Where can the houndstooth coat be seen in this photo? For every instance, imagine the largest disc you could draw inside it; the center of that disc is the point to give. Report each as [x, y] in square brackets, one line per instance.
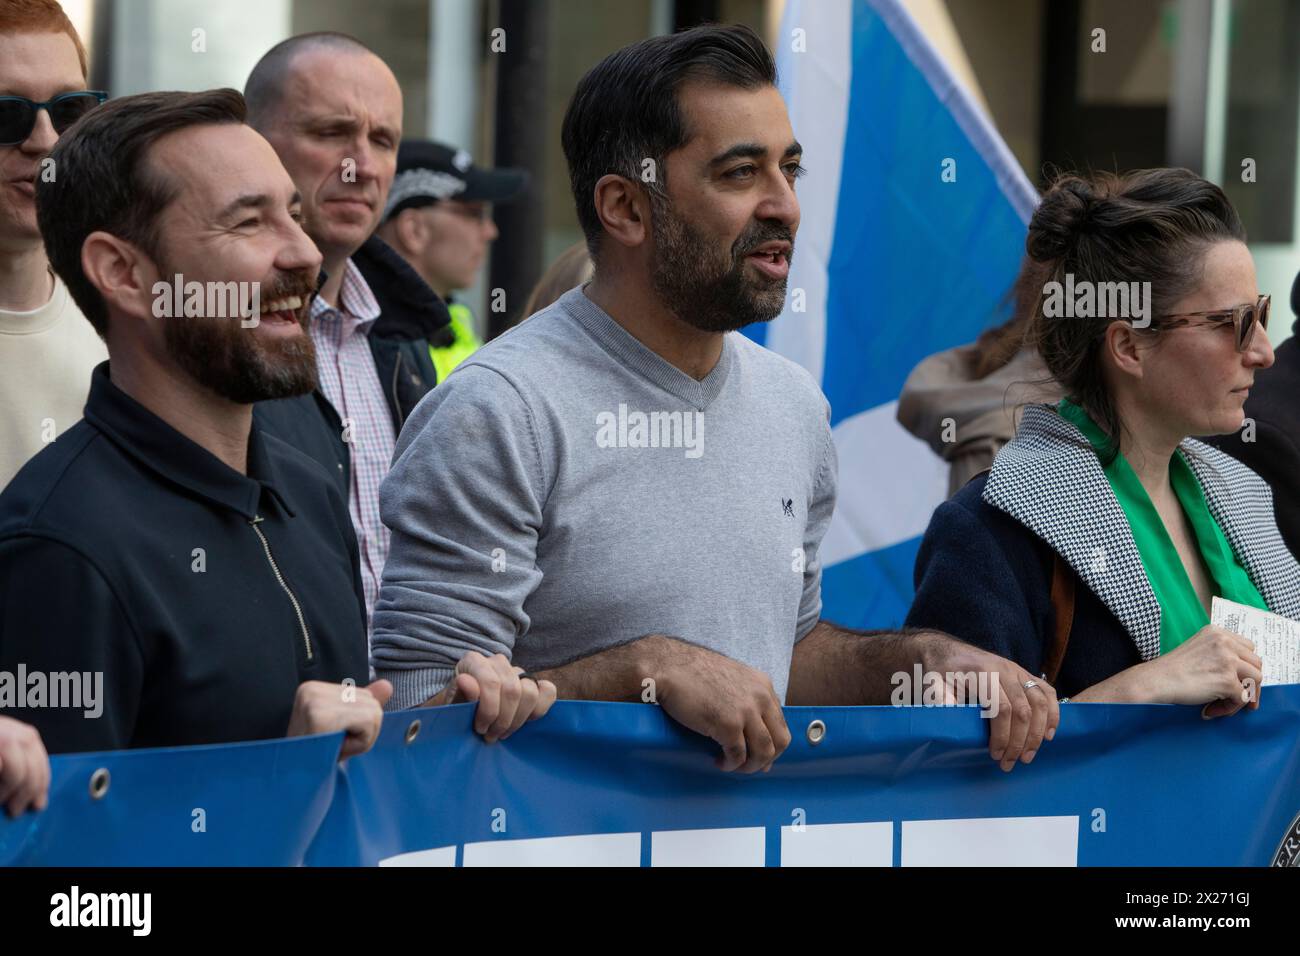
[984, 569]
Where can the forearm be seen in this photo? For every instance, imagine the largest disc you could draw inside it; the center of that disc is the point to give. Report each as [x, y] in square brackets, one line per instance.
[465, 519]
[625, 672]
[1129, 686]
[838, 666]
[622, 673]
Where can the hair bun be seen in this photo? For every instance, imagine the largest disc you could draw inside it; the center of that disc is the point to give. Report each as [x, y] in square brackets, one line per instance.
[1060, 217]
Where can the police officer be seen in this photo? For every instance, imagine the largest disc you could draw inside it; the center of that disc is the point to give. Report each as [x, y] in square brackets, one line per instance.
[439, 218]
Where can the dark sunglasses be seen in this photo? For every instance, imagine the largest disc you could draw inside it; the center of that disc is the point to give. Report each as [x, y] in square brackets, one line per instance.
[18, 114]
[1244, 318]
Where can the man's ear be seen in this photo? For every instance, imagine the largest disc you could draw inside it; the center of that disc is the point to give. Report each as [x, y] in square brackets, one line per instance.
[1125, 347]
[410, 229]
[623, 208]
[122, 274]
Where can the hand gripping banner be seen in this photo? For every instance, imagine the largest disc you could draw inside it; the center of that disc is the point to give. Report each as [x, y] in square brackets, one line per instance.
[621, 784]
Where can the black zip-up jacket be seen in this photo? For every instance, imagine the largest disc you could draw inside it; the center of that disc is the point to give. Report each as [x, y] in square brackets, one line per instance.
[204, 597]
[411, 316]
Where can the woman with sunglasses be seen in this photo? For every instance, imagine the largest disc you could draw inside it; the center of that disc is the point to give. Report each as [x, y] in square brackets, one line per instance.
[1092, 550]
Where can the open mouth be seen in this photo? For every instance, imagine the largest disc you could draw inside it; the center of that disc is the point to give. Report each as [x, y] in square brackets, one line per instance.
[288, 309]
[773, 263]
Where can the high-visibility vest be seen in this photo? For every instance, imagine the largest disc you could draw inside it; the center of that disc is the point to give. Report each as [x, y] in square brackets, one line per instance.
[464, 342]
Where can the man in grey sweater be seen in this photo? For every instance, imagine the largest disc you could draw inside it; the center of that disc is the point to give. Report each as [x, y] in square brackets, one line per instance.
[622, 494]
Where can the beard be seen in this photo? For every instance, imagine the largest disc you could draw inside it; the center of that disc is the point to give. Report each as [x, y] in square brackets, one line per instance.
[707, 290]
[231, 361]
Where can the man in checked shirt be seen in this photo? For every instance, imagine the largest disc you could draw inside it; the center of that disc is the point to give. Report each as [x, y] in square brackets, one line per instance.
[332, 110]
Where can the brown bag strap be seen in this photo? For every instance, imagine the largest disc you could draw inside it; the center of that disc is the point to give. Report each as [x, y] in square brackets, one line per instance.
[1063, 608]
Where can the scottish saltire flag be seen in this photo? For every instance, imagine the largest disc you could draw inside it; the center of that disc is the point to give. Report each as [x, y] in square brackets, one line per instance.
[892, 263]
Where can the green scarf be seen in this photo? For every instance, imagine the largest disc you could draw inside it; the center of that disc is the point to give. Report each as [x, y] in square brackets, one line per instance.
[1181, 611]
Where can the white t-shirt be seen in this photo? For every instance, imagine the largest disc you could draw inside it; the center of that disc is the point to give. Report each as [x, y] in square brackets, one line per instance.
[46, 356]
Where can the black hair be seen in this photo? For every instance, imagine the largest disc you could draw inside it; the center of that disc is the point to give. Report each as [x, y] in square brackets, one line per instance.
[625, 108]
[1151, 225]
[106, 183]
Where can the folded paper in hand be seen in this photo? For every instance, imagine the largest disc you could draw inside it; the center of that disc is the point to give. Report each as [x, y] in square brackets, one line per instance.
[1276, 638]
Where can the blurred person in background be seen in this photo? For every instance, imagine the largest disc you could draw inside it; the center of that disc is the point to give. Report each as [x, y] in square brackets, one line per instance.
[47, 348]
[965, 403]
[439, 218]
[571, 268]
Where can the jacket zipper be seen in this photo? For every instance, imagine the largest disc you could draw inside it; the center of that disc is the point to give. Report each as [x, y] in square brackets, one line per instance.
[397, 405]
[266, 546]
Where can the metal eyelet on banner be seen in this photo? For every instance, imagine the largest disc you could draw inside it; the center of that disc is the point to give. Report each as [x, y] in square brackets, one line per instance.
[412, 731]
[816, 731]
[99, 781]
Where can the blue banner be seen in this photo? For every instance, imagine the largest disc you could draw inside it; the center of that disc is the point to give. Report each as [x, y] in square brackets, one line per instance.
[621, 784]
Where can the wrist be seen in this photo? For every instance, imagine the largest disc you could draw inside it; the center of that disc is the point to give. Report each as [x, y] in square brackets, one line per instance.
[1138, 684]
[932, 647]
[1143, 683]
[653, 661]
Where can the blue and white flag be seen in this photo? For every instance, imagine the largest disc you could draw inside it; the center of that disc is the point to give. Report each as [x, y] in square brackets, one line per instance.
[893, 261]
